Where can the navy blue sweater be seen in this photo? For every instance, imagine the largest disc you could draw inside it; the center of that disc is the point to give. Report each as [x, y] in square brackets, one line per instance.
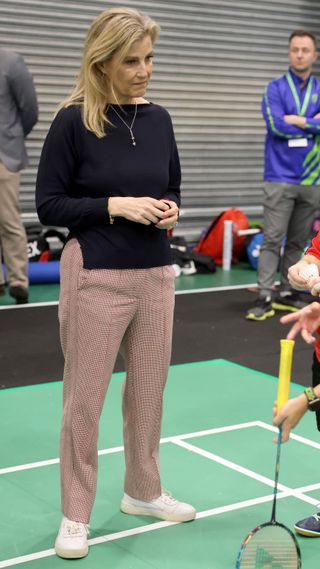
[78, 172]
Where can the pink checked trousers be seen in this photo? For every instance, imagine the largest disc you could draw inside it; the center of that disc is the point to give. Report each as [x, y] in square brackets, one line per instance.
[101, 311]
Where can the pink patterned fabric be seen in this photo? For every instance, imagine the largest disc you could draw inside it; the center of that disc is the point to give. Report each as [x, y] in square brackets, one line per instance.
[102, 311]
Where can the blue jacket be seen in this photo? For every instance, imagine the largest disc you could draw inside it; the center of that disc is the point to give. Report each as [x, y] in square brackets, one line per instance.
[284, 163]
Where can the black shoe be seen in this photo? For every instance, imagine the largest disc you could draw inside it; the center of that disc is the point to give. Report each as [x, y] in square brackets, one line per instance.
[309, 527]
[20, 294]
[261, 310]
[2, 289]
[289, 301]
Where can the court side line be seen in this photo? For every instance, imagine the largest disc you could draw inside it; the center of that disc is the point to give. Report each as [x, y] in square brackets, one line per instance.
[216, 288]
[29, 305]
[50, 462]
[214, 431]
[246, 471]
[172, 439]
[143, 529]
[189, 291]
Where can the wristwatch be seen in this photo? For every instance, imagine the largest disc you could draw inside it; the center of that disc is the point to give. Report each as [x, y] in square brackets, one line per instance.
[313, 400]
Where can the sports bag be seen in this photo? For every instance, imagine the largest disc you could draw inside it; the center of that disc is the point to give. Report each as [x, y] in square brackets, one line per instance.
[212, 241]
[185, 258]
[38, 245]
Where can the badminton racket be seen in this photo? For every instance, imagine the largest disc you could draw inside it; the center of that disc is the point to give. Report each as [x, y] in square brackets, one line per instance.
[272, 545]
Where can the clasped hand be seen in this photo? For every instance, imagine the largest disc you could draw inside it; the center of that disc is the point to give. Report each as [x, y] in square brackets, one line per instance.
[145, 210]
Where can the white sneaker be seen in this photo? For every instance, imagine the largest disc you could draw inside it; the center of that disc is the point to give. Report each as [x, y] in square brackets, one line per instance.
[72, 542]
[165, 507]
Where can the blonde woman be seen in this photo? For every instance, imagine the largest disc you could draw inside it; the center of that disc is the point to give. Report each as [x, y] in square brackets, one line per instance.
[109, 171]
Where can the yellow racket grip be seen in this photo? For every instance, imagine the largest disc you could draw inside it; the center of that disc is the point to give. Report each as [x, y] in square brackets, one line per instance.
[286, 353]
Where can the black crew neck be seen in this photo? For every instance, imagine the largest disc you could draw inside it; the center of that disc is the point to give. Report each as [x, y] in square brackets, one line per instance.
[129, 105]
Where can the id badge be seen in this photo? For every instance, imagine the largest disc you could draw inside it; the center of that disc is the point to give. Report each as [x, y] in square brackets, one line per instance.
[297, 142]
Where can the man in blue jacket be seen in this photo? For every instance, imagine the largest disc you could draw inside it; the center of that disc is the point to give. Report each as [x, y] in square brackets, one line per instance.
[291, 109]
[18, 115]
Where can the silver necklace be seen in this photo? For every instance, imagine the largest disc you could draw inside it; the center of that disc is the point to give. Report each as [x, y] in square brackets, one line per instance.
[133, 140]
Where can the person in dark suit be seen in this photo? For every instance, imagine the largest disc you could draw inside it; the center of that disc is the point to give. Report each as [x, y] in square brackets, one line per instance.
[18, 115]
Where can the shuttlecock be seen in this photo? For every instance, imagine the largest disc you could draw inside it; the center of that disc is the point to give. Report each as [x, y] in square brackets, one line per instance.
[309, 271]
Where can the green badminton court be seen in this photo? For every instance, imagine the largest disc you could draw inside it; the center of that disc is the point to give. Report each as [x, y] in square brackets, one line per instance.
[216, 452]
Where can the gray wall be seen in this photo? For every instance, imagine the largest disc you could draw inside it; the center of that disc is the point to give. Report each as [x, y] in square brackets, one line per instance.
[211, 63]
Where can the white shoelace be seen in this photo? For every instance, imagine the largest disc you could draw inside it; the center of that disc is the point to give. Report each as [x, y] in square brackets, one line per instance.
[168, 498]
[75, 529]
[316, 517]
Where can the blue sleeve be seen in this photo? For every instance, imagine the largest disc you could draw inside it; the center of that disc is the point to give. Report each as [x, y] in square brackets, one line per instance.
[56, 174]
[273, 113]
[312, 126]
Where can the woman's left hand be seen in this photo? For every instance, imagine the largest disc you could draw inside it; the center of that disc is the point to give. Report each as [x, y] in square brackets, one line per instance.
[170, 218]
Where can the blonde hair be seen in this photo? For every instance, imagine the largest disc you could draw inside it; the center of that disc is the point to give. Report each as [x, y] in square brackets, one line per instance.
[113, 31]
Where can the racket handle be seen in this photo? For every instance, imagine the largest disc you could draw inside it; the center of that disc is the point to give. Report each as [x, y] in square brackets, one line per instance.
[286, 353]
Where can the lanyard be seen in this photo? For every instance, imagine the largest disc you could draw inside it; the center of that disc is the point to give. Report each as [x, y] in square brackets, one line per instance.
[301, 109]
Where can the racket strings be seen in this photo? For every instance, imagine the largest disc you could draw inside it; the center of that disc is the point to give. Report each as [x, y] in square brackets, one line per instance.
[270, 547]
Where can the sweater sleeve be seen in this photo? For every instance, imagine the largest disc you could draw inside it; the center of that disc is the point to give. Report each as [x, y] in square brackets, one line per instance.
[273, 114]
[56, 174]
[173, 190]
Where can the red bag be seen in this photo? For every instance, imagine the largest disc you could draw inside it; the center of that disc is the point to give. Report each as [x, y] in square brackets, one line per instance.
[212, 242]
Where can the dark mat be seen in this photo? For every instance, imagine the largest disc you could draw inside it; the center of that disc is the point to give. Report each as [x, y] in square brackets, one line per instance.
[207, 326]
[213, 325]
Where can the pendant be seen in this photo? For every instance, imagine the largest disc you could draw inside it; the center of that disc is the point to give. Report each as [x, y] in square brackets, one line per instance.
[133, 140]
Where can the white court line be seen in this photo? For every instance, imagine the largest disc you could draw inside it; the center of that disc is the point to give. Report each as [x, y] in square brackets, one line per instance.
[172, 439]
[50, 462]
[216, 289]
[144, 529]
[177, 292]
[215, 430]
[29, 305]
[284, 491]
[242, 470]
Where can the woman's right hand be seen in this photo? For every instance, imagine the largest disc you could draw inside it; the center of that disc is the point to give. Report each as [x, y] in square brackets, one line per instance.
[144, 210]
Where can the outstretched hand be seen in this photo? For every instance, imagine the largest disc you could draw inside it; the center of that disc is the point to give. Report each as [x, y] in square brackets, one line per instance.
[306, 321]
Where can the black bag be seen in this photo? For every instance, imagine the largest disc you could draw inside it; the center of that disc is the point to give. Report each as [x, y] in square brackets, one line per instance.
[183, 256]
[38, 245]
[204, 263]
